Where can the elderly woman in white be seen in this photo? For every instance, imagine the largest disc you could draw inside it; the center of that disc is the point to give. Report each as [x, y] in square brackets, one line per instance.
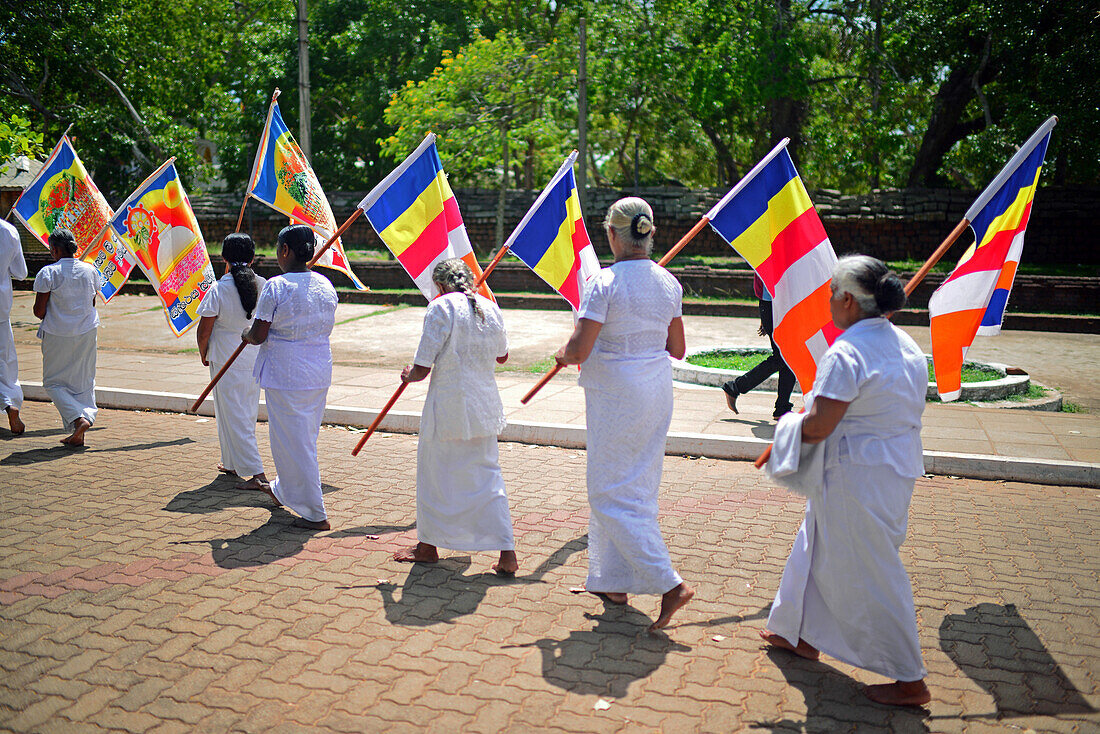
[856, 453]
[460, 499]
[628, 325]
[12, 265]
[294, 318]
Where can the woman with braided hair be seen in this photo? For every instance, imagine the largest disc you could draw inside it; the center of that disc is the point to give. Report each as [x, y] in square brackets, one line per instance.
[294, 318]
[461, 503]
[628, 325]
[225, 312]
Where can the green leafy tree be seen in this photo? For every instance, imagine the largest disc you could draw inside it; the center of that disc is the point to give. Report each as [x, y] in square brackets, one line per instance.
[18, 139]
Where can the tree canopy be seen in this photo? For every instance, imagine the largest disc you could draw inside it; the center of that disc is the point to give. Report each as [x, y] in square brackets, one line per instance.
[871, 93]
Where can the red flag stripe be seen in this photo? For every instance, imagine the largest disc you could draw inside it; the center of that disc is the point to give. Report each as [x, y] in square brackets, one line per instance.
[798, 238]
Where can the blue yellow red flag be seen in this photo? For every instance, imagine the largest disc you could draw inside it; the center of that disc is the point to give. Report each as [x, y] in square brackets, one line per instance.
[416, 215]
[158, 225]
[283, 179]
[769, 219]
[64, 196]
[551, 238]
[972, 299]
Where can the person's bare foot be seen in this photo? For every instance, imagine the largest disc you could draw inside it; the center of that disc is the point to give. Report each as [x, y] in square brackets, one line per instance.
[223, 470]
[672, 600]
[255, 483]
[900, 693]
[76, 440]
[803, 649]
[301, 522]
[419, 553]
[615, 597]
[14, 422]
[507, 565]
[266, 489]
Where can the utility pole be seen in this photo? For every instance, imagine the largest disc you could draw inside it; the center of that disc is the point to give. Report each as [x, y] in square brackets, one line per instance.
[305, 132]
[582, 114]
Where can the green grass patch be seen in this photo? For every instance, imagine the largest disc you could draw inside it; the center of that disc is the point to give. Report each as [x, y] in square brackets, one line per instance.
[970, 373]
[379, 312]
[723, 360]
[1068, 407]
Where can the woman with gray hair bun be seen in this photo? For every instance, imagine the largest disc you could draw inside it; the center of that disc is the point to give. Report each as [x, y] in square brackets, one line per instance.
[628, 325]
[844, 590]
[461, 502]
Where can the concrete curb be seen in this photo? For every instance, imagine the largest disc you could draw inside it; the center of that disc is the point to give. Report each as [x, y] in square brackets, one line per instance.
[974, 466]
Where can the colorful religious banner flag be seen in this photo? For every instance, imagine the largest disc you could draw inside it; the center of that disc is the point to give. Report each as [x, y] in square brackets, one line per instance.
[64, 196]
[283, 179]
[551, 238]
[157, 224]
[769, 219]
[972, 299]
[416, 215]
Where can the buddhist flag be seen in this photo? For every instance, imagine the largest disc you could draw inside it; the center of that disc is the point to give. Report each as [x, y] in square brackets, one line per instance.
[283, 179]
[973, 298]
[64, 196]
[551, 238]
[769, 219]
[416, 215]
[159, 227]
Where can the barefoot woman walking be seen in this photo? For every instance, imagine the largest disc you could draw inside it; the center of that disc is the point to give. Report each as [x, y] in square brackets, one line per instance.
[629, 324]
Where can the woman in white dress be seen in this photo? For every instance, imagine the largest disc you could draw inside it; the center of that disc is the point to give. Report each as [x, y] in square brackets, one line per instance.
[844, 590]
[628, 325]
[64, 299]
[294, 318]
[225, 312]
[12, 265]
[460, 499]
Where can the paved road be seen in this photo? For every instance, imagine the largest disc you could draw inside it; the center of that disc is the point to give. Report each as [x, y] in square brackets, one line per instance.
[140, 593]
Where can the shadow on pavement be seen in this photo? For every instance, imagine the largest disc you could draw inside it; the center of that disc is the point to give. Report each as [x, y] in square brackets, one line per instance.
[997, 648]
[269, 542]
[834, 702]
[606, 659]
[761, 613]
[37, 456]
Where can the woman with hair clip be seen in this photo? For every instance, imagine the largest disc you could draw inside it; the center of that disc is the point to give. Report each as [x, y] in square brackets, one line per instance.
[844, 590]
[64, 299]
[628, 325]
[225, 312]
[294, 318]
[461, 503]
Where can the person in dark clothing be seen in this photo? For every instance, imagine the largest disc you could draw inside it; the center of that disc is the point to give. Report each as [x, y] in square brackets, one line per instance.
[771, 365]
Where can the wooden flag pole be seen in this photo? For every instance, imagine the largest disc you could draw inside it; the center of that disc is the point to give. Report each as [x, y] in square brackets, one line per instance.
[335, 236]
[240, 217]
[381, 414]
[228, 362]
[683, 241]
[663, 261]
[909, 288]
[539, 385]
[489, 268]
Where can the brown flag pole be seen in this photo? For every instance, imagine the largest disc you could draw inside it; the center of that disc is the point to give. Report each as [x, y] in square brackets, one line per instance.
[662, 262]
[909, 288]
[489, 268]
[221, 372]
[335, 236]
[381, 414]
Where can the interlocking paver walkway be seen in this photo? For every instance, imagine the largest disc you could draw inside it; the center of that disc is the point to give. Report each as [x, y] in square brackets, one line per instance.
[139, 592]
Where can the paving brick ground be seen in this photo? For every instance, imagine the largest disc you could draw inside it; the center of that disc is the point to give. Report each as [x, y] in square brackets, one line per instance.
[140, 593]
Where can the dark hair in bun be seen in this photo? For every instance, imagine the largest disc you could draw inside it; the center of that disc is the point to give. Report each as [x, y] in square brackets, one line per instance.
[300, 239]
[239, 251]
[63, 240]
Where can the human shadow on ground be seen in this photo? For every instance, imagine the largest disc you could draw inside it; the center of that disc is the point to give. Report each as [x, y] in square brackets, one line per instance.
[7, 435]
[439, 593]
[997, 648]
[761, 613]
[835, 702]
[38, 456]
[606, 659]
[275, 539]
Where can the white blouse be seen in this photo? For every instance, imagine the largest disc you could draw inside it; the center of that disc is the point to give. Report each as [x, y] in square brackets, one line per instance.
[462, 401]
[301, 308]
[635, 300]
[72, 286]
[883, 375]
[223, 302]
